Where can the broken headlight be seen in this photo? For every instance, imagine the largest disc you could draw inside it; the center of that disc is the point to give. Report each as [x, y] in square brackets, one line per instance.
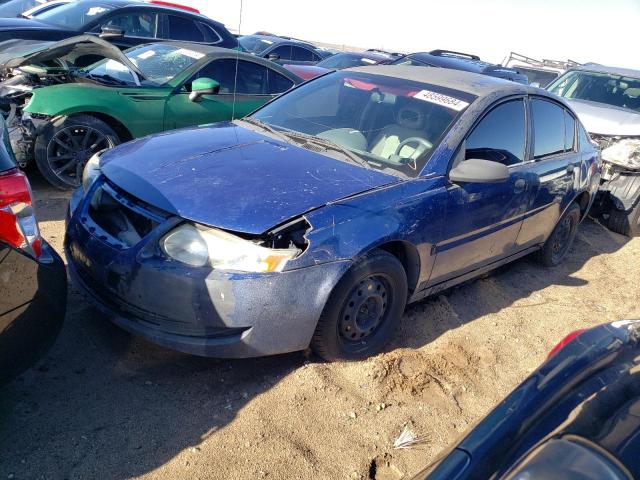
[199, 246]
[624, 153]
[91, 172]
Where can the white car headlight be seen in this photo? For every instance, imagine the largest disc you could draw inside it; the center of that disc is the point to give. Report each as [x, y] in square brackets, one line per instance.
[625, 153]
[200, 246]
[91, 171]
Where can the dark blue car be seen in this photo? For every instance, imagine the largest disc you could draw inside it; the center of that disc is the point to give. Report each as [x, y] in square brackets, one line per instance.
[577, 417]
[316, 219]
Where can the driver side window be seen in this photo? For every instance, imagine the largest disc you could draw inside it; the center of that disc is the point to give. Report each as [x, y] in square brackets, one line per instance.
[252, 78]
[140, 24]
[500, 136]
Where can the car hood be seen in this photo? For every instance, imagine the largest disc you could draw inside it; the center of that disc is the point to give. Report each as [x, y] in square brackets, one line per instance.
[233, 178]
[605, 119]
[26, 24]
[18, 53]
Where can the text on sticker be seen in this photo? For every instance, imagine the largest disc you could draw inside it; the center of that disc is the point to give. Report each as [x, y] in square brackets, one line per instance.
[443, 100]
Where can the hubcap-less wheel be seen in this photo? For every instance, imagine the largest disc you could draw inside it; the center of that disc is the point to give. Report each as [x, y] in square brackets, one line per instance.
[560, 241]
[365, 309]
[71, 148]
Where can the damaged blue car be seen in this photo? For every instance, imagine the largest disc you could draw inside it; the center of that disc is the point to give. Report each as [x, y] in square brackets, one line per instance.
[315, 220]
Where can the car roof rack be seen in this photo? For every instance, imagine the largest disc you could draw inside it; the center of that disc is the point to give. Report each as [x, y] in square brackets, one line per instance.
[544, 63]
[451, 53]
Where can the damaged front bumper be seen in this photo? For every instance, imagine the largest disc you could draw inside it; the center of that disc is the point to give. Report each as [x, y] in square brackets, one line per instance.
[23, 130]
[619, 187]
[196, 310]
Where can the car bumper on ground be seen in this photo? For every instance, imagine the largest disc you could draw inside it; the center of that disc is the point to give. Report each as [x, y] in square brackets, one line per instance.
[200, 311]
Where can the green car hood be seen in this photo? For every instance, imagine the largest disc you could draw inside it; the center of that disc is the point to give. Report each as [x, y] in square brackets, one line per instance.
[19, 53]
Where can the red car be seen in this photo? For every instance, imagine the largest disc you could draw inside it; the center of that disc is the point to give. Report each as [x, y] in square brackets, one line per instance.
[338, 62]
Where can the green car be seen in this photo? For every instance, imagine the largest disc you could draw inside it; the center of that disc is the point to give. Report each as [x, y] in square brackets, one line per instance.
[64, 113]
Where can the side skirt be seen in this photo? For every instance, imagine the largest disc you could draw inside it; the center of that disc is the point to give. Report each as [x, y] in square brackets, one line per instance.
[433, 289]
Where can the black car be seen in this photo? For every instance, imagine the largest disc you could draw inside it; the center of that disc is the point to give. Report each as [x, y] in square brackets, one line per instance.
[123, 22]
[577, 417]
[283, 50]
[33, 281]
[460, 61]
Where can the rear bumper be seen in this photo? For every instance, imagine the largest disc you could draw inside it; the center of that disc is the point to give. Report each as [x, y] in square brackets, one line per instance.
[199, 311]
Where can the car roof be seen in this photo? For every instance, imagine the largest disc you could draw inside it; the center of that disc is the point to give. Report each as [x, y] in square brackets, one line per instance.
[366, 54]
[469, 82]
[279, 40]
[142, 4]
[596, 67]
[471, 64]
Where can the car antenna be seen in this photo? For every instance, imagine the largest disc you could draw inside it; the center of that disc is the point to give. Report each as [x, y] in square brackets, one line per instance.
[235, 78]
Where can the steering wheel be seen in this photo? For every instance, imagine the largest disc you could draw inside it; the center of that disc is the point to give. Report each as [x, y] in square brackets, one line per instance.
[422, 146]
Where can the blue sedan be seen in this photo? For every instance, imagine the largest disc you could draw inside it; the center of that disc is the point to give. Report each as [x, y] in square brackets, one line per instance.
[318, 218]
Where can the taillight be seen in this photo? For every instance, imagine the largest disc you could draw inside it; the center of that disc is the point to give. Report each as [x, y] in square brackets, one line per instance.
[563, 343]
[174, 5]
[18, 225]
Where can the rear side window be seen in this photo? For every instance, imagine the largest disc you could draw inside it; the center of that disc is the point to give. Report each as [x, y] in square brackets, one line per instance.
[181, 28]
[549, 127]
[278, 83]
[211, 36]
[500, 136]
[301, 54]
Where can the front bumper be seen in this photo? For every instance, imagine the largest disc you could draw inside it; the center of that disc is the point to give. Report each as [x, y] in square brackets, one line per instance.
[622, 188]
[200, 311]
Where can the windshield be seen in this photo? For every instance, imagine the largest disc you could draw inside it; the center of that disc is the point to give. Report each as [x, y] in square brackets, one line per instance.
[13, 8]
[254, 43]
[158, 62]
[387, 123]
[614, 90]
[345, 60]
[75, 15]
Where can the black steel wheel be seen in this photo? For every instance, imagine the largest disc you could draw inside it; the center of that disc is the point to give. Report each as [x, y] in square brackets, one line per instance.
[64, 148]
[559, 242]
[363, 310]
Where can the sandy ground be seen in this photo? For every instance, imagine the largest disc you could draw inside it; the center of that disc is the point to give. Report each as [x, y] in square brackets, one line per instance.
[104, 404]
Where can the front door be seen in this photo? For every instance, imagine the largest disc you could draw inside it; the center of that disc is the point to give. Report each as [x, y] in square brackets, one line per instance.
[250, 81]
[483, 219]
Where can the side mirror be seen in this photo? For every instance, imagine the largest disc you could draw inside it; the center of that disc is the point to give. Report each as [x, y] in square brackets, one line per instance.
[274, 57]
[111, 32]
[479, 171]
[203, 86]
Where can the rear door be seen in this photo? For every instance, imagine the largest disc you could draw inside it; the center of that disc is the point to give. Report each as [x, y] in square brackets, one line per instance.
[553, 169]
[483, 219]
[254, 85]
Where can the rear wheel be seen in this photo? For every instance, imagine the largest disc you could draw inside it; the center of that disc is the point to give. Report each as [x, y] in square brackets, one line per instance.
[557, 245]
[65, 146]
[625, 223]
[363, 310]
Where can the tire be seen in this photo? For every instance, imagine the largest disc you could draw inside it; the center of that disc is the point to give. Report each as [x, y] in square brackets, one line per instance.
[65, 146]
[625, 223]
[557, 245]
[354, 326]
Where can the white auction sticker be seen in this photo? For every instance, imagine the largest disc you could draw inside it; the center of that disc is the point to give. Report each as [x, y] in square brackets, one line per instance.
[190, 53]
[443, 100]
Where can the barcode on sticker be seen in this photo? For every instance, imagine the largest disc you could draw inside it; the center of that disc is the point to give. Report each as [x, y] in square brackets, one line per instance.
[443, 100]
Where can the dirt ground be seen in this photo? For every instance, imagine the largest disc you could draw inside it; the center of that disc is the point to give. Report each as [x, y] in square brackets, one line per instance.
[104, 404]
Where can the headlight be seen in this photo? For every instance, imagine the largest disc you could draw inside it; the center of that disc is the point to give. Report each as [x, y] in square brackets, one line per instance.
[200, 246]
[91, 171]
[625, 153]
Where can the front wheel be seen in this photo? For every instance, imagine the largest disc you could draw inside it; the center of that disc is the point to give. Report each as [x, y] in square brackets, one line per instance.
[65, 146]
[363, 310]
[557, 245]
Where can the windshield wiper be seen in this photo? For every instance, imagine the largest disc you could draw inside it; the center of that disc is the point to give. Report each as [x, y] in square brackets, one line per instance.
[329, 145]
[106, 77]
[265, 126]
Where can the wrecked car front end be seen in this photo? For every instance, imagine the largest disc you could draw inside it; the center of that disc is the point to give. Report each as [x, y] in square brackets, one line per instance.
[618, 199]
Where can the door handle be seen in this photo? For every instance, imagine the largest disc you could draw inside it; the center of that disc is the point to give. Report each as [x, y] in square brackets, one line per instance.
[520, 185]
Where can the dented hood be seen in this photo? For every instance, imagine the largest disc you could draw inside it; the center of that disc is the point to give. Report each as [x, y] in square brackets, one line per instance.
[606, 119]
[18, 53]
[233, 178]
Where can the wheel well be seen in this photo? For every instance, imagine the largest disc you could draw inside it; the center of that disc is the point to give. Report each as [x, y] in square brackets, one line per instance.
[409, 257]
[123, 133]
[583, 202]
